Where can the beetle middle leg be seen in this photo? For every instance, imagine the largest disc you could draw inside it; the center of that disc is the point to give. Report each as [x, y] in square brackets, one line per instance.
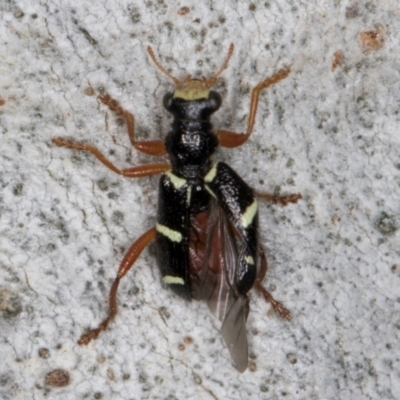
[276, 305]
[232, 139]
[152, 147]
[134, 172]
[126, 264]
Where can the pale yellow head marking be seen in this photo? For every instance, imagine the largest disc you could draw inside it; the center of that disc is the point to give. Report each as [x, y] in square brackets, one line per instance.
[192, 89]
[248, 215]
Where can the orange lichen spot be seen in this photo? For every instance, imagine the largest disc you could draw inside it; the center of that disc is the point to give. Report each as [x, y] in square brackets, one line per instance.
[184, 11]
[181, 347]
[44, 352]
[371, 40]
[89, 91]
[337, 59]
[188, 340]
[2, 102]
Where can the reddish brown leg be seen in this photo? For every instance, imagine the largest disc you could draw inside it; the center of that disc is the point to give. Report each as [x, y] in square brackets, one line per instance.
[232, 139]
[153, 147]
[129, 259]
[282, 200]
[134, 172]
[276, 305]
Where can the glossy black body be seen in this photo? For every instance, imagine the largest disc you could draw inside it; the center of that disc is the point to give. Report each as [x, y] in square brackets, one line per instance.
[191, 142]
[187, 191]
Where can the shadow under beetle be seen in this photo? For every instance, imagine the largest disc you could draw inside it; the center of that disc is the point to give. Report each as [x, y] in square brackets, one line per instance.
[207, 222]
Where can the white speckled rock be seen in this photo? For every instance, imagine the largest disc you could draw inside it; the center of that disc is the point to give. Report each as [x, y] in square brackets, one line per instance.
[66, 221]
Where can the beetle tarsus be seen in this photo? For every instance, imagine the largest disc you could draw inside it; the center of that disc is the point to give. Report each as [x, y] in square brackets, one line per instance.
[277, 306]
[93, 333]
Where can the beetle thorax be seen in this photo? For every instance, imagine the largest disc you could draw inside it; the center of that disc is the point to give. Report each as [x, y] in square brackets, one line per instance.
[192, 141]
[190, 145]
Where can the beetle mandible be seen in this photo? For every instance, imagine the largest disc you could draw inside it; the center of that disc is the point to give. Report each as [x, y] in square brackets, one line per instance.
[207, 222]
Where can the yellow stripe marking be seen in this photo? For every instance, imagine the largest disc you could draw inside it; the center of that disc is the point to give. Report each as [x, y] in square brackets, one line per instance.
[173, 280]
[175, 236]
[189, 195]
[248, 215]
[249, 260]
[210, 191]
[175, 180]
[211, 174]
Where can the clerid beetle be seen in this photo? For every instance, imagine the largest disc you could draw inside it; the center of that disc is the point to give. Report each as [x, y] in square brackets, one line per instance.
[207, 223]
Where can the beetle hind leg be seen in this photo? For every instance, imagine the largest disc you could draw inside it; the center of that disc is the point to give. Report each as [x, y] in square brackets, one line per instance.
[126, 264]
[276, 305]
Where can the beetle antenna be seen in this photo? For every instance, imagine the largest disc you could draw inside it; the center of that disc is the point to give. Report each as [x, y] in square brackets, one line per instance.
[161, 68]
[213, 79]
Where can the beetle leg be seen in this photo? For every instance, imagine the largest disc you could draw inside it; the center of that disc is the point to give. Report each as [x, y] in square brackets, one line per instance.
[126, 264]
[134, 172]
[152, 147]
[282, 200]
[232, 139]
[276, 305]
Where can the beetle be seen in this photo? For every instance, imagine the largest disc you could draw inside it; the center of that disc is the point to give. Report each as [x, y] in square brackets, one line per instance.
[207, 223]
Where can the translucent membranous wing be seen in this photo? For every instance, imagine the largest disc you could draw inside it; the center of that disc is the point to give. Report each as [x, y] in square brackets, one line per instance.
[214, 259]
[234, 332]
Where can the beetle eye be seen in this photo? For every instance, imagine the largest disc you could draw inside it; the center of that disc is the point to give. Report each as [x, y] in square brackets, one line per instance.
[167, 101]
[215, 100]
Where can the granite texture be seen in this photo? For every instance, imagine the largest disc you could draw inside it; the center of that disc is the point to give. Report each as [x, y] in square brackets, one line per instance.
[329, 131]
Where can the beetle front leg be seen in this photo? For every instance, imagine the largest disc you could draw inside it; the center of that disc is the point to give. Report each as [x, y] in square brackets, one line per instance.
[126, 264]
[152, 147]
[134, 172]
[232, 139]
[276, 305]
